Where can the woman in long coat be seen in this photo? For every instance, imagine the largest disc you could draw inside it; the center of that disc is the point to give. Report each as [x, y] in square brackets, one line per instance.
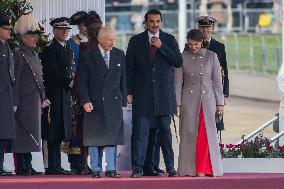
[199, 96]
[28, 95]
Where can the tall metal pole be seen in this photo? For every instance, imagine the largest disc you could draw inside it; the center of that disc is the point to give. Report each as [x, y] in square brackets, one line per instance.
[181, 23]
[192, 14]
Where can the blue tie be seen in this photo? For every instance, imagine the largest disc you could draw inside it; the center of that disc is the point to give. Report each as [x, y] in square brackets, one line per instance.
[106, 58]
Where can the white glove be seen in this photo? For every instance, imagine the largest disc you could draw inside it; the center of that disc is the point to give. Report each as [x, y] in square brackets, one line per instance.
[45, 103]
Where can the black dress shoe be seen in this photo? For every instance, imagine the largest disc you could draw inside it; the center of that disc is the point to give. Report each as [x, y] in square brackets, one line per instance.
[34, 172]
[137, 173]
[150, 172]
[90, 171]
[112, 174]
[96, 174]
[24, 172]
[172, 172]
[50, 171]
[61, 171]
[158, 170]
[5, 173]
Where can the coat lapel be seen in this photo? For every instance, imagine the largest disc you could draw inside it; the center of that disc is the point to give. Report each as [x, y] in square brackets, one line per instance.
[98, 59]
[11, 64]
[112, 62]
[146, 46]
[211, 44]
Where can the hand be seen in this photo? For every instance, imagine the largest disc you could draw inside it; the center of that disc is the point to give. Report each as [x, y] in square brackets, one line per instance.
[88, 107]
[220, 110]
[45, 103]
[156, 42]
[15, 108]
[178, 111]
[129, 99]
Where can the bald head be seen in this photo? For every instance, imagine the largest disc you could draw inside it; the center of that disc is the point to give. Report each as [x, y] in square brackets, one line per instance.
[106, 38]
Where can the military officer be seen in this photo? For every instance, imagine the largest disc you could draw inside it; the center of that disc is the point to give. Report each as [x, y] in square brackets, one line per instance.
[206, 26]
[58, 72]
[73, 150]
[7, 124]
[28, 94]
[78, 19]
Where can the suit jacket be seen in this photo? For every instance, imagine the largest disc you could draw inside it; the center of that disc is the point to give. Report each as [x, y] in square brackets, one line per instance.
[58, 73]
[219, 49]
[105, 88]
[7, 123]
[150, 79]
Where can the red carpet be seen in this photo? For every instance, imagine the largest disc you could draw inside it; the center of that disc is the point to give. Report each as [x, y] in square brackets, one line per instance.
[228, 181]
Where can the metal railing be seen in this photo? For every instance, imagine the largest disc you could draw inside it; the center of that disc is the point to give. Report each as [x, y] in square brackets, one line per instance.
[261, 129]
[244, 19]
[252, 53]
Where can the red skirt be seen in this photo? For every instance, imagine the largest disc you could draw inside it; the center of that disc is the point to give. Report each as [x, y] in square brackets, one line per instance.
[203, 161]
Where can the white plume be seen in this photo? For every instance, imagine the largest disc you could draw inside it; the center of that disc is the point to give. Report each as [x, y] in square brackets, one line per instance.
[25, 24]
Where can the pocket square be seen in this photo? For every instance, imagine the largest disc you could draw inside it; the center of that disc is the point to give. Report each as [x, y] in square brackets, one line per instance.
[118, 64]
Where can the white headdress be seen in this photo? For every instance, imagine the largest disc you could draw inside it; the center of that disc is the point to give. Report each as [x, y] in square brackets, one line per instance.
[26, 24]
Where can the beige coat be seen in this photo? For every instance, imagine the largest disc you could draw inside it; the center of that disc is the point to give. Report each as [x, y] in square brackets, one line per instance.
[198, 81]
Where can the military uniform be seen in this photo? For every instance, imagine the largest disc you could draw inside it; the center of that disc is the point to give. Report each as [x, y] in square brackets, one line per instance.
[218, 48]
[7, 124]
[73, 149]
[58, 72]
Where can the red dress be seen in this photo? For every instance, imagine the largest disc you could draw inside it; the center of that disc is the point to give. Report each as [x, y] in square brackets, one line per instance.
[203, 161]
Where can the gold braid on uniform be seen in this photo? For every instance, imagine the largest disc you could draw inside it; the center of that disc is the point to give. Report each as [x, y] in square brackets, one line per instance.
[67, 150]
[76, 39]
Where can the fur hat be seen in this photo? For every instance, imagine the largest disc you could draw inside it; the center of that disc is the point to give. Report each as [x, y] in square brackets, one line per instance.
[27, 24]
[78, 18]
[92, 18]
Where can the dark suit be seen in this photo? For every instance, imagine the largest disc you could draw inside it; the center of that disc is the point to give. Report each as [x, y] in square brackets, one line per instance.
[150, 82]
[219, 49]
[58, 72]
[105, 88]
[7, 123]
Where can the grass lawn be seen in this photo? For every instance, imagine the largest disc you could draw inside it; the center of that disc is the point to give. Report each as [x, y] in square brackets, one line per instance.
[255, 52]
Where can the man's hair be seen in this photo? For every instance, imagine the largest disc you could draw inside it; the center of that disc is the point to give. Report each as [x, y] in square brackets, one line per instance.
[104, 31]
[154, 12]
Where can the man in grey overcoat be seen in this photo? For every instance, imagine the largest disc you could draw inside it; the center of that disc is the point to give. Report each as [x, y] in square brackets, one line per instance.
[7, 123]
[102, 89]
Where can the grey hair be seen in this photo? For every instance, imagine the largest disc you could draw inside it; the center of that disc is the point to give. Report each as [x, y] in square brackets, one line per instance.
[105, 31]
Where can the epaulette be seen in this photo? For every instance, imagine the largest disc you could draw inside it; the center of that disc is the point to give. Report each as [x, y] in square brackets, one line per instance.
[76, 39]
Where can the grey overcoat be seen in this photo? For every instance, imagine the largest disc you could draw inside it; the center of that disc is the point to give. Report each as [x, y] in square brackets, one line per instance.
[28, 93]
[198, 82]
[7, 122]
